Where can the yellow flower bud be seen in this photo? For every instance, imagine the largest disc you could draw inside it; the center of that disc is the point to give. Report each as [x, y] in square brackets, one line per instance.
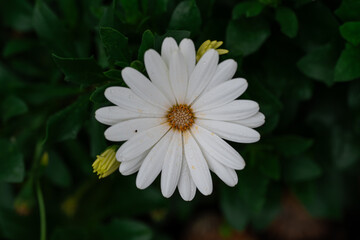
[207, 45]
[105, 163]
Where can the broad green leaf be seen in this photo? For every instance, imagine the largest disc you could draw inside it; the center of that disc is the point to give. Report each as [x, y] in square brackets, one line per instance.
[351, 32]
[269, 165]
[96, 132]
[348, 66]
[12, 168]
[131, 11]
[353, 95]
[252, 187]
[57, 172]
[8, 81]
[246, 36]
[116, 45]
[51, 30]
[98, 97]
[318, 30]
[247, 8]
[126, 229]
[233, 208]
[70, 233]
[16, 14]
[319, 64]
[344, 148]
[70, 12]
[17, 46]
[186, 16]
[12, 106]
[40, 93]
[287, 20]
[66, 123]
[115, 75]
[349, 10]
[147, 42]
[301, 168]
[84, 71]
[291, 145]
[138, 65]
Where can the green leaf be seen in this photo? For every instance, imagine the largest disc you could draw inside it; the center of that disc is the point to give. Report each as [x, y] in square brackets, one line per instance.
[348, 66]
[344, 148]
[269, 165]
[186, 16]
[252, 187]
[67, 123]
[97, 141]
[349, 10]
[126, 229]
[84, 71]
[11, 107]
[353, 95]
[17, 46]
[138, 65]
[301, 168]
[291, 145]
[115, 75]
[287, 20]
[16, 14]
[319, 64]
[351, 32]
[57, 172]
[12, 168]
[51, 30]
[233, 208]
[246, 36]
[116, 45]
[148, 41]
[247, 8]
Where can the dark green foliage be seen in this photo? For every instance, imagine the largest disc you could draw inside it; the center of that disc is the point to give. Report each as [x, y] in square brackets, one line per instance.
[302, 63]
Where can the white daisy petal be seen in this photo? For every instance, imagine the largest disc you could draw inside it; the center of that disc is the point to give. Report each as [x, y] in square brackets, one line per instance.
[202, 74]
[253, 122]
[224, 71]
[226, 174]
[187, 49]
[132, 166]
[187, 187]
[158, 73]
[178, 76]
[124, 130]
[168, 47]
[127, 99]
[230, 131]
[220, 150]
[142, 87]
[172, 165]
[198, 167]
[235, 110]
[153, 162]
[220, 95]
[112, 115]
[141, 142]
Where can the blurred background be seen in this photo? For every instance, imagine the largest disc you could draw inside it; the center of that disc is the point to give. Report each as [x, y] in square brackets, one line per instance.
[302, 62]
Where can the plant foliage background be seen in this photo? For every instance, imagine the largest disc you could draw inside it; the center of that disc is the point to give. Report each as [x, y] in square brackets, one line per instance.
[301, 59]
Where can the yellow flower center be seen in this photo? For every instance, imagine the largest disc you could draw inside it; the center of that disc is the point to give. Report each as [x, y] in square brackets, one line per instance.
[105, 163]
[180, 117]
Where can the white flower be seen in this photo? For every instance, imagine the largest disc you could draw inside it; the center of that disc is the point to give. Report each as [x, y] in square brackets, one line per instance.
[174, 124]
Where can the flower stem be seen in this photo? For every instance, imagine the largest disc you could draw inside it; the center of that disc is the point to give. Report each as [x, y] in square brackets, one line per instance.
[41, 212]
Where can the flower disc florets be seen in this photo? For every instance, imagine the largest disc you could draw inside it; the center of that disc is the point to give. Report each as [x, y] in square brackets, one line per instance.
[180, 117]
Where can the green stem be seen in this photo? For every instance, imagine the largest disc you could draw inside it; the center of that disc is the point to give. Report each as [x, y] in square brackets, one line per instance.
[41, 211]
